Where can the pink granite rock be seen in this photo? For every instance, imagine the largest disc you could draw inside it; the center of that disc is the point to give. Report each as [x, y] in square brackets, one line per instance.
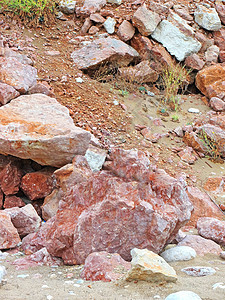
[10, 178]
[220, 8]
[187, 155]
[25, 219]
[13, 201]
[37, 127]
[104, 266]
[41, 88]
[7, 93]
[217, 104]
[9, 236]
[213, 229]
[37, 185]
[90, 7]
[126, 31]
[194, 61]
[16, 74]
[202, 246]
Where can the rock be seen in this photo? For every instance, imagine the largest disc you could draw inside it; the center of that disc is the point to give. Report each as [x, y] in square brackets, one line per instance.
[176, 41]
[67, 6]
[217, 104]
[183, 295]
[25, 219]
[207, 18]
[2, 273]
[148, 266]
[222, 254]
[219, 37]
[23, 59]
[1, 198]
[51, 204]
[202, 246]
[183, 12]
[117, 2]
[97, 18]
[145, 20]
[194, 62]
[222, 56]
[9, 237]
[150, 136]
[104, 266]
[104, 50]
[141, 73]
[198, 271]
[109, 25]
[161, 57]
[203, 206]
[212, 54]
[90, 7]
[86, 26]
[213, 229]
[7, 93]
[37, 127]
[95, 158]
[93, 30]
[192, 140]
[37, 185]
[221, 11]
[41, 88]
[10, 177]
[142, 45]
[178, 253]
[187, 155]
[13, 201]
[194, 110]
[214, 184]
[126, 31]
[208, 77]
[21, 77]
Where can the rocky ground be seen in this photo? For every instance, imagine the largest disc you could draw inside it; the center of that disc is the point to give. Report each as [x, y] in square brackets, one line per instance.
[188, 143]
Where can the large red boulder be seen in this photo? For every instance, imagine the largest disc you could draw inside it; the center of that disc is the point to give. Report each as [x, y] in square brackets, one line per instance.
[213, 229]
[9, 237]
[104, 266]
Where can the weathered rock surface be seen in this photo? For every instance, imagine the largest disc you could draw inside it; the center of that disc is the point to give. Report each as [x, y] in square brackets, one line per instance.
[10, 177]
[104, 50]
[213, 229]
[148, 266]
[104, 266]
[95, 158]
[9, 236]
[13, 201]
[194, 61]
[38, 127]
[178, 253]
[20, 76]
[7, 93]
[25, 219]
[202, 246]
[207, 18]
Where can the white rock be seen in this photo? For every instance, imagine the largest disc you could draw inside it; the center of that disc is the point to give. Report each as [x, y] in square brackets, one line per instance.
[2, 273]
[109, 25]
[183, 295]
[118, 2]
[67, 6]
[178, 253]
[197, 271]
[207, 18]
[220, 285]
[194, 110]
[95, 158]
[175, 41]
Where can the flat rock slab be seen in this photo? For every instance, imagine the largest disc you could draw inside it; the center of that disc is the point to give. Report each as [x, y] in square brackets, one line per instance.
[37, 127]
[104, 50]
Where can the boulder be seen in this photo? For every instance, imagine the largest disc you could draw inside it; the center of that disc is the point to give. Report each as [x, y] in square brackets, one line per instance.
[20, 76]
[9, 237]
[145, 20]
[183, 12]
[187, 155]
[104, 50]
[126, 31]
[213, 229]
[22, 58]
[97, 18]
[7, 93]
[148, 266]
[25, 219]
[41, 88]
[207, 18]
[37, 127]
[178, 43]
[178, 253]
[104, 266]
[37, 185]
[219, 38]
[202, 246]
[197, 271]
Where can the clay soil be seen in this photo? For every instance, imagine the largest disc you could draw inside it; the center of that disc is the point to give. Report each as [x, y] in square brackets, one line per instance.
[114, 119]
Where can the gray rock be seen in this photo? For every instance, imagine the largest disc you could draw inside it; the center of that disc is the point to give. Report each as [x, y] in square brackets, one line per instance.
[95, 158]
[178, 253]
[67, 6]
[175, 41]
[212, 53]
[183, 295]
[109, 25]
[207, 18]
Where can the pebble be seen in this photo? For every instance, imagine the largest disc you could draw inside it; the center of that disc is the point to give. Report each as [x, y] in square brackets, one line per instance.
[183, 295]
[151, 94]
[199, 271]
[109, 25]
[194, 110]
[178, 253]
[79, 80]
[220, 285]
[2, 273]
[23, 276]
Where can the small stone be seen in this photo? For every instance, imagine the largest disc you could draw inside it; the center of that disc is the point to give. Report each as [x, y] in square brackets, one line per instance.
[178, 253]
[198, 271]
[79, 80]
[126, 31]
[95, 158]
[67, 6]
[183, 295]
[117, 2]
[194, 110]
[109, 25]
[217, 104]
[207, 18]
[2, 273]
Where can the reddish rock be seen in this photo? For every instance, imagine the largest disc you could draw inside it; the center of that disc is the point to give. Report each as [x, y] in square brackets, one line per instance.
[86, 26]
[90, 7]
[142, 45]
[213, 229]
[192, 140]
[213, 184]
[217, 104]
[51, 204]
[24, 219]
[202, 246]
[16, 74]
[203, 206]
[9, 237]
[220, 8]
[104, 266]
[37, 185]
[149, 135]
[161, 57]
[217, 135]
[7, 93]
[222, 56]
[93, 30]
[97, 18]
[219, 38]
[194, 62]
[10, 178]
[13, 201]
[212, 54]
[216, 89]
[126, 31]
[209, 76]
[204, 40]
[41, 88]
[183, 12]
[141, 73]
[187, 155]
